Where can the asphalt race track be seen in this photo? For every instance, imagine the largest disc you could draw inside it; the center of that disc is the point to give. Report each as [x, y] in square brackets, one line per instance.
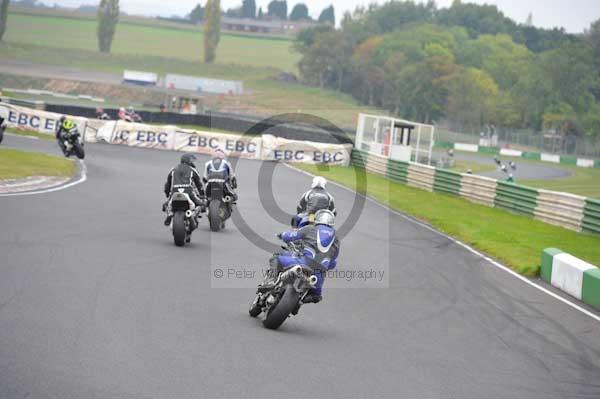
[97, 302]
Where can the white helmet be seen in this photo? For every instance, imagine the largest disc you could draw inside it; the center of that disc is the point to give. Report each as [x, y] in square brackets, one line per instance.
[319, 181]
[325, 216]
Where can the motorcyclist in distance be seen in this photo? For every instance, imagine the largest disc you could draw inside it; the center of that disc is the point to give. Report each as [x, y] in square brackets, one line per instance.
[185, 176]
[63, 126]
[314, 200]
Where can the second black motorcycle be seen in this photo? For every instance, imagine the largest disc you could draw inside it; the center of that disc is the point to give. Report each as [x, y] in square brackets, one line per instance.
[220, 204]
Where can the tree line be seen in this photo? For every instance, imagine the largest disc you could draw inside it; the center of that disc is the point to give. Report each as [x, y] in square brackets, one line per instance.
[275, 9]
[468, 65]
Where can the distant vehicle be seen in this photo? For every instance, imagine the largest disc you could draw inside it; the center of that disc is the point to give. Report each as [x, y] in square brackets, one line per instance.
[100, 114]
[512, 165]
[129, 115]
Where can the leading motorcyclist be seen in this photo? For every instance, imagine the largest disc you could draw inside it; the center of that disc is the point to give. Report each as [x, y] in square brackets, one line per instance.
[63, 127]
[219, 168]
[320, 249]
[312, 201]
[185, 176]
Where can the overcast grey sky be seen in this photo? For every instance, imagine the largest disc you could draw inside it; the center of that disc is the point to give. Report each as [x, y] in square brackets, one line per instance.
[573, 15]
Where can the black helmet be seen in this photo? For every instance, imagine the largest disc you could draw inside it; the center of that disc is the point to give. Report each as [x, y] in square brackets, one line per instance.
[188, 159]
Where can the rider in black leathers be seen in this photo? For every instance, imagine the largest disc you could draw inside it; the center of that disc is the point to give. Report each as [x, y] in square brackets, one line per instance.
[185, 176]
[316, 198]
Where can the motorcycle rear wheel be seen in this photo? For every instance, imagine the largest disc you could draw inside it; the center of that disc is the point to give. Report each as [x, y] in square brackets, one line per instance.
[179, 228]
[282, 309]
[214, 216]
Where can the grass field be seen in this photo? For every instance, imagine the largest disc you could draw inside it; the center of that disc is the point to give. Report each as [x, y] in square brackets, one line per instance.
[465, 166]
[16, 164]
[132, 39]
[583, 181]
[516, 241]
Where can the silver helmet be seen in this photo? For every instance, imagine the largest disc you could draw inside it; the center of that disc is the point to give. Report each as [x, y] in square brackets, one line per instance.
[326, 217]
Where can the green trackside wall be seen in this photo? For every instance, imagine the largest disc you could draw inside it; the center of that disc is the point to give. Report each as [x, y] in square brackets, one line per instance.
[397, 171]
[591, 216]
[446, 181]
[359, 159]
[534, 156]
[488, 150]
[568, 160]
[546, 265]
[590, 290]
[519, 199]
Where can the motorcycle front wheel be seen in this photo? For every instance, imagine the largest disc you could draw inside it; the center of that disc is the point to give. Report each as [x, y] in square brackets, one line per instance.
[78, 150]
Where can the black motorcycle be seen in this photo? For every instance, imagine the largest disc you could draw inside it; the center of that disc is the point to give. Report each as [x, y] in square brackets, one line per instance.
[284, 297]
[184, 217]
[220, 204]
[72, 144]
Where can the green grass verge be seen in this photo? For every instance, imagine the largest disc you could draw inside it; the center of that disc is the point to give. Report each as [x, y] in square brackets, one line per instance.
[464, 166]
[583, 181]
[516, 241]
[15, 164]
[185, 44]
[31, 133]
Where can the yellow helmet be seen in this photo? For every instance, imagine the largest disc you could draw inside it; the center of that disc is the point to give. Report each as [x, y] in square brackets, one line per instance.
[68, 124]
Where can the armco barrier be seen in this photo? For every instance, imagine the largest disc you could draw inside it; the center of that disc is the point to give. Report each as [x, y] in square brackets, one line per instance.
[560, 209]
[591, 216]
[571, 275]
[421, 176]
[397, 171]
[376, 164]
[446, 181]
[515, 198]
[479, 189]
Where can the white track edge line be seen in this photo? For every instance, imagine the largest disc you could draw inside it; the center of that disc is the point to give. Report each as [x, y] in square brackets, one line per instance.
[465, 246]
[81, 179]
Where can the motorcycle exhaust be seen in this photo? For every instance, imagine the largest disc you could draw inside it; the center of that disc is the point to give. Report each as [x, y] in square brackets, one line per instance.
[227, 198]
[312, 280]
[291, 273]
[188, 213]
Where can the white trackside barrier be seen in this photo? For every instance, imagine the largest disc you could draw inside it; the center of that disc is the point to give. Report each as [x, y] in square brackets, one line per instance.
[560, 209]
[585, 163]
[567, 273]
[265, 147]
[34, 119]
[421, 176]
[550, 158]
[510, 153]
[466, 147]
[280, 149]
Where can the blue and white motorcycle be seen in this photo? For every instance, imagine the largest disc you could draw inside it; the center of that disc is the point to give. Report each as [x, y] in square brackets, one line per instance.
[284, 297]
